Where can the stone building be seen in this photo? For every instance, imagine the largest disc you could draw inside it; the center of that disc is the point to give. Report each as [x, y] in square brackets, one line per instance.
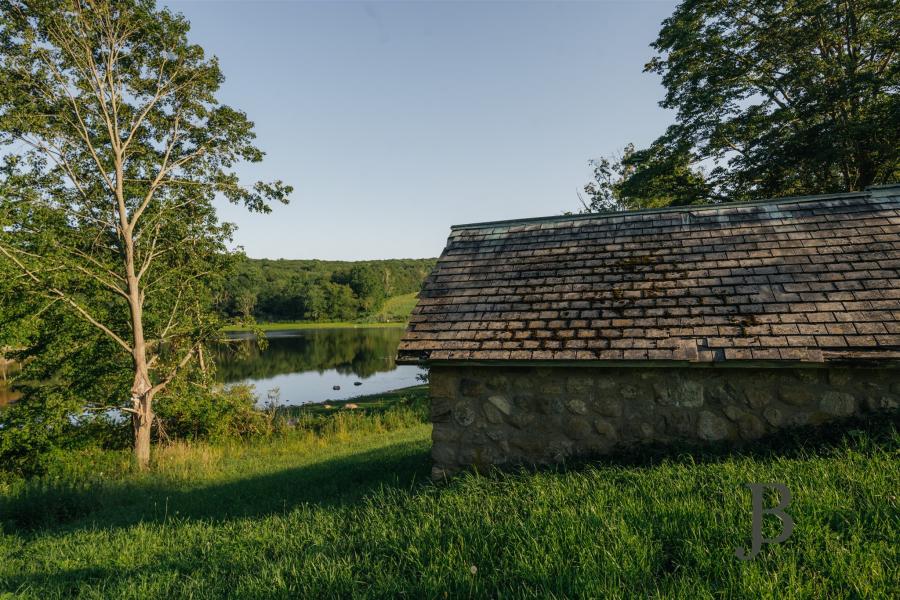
[575, 335]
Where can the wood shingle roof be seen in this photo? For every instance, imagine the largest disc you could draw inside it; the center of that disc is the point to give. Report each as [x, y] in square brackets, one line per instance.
[810, 279]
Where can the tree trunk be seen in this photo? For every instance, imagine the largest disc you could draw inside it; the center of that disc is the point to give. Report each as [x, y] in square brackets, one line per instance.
[142, 423]
[141, 389]
[141, 419]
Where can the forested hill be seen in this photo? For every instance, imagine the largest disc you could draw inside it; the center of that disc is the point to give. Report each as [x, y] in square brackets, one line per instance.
[320, 290]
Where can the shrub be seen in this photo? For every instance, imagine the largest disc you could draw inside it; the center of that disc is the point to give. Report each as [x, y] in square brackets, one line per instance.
[46, 425]
[31, 428]
[200, 413]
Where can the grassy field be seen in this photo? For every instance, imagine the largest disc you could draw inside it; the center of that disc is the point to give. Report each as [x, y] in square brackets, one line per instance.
[341, 506]
[397, 308]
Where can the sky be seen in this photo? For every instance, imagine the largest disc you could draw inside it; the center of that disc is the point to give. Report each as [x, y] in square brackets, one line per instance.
[395, 120]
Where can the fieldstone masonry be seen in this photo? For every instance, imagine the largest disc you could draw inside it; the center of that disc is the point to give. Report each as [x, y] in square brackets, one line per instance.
[486, 416]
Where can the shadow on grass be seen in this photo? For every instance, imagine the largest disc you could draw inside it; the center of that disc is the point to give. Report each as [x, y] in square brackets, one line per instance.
[862, 434]
[337, 481]
[348, 479]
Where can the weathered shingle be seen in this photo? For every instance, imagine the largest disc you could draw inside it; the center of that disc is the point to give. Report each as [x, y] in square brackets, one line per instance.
[799, 279]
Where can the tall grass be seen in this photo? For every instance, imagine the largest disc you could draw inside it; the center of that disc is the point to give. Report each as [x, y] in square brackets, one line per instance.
[342, 507]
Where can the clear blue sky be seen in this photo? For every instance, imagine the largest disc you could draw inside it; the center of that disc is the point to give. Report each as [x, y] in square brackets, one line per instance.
[395, 120]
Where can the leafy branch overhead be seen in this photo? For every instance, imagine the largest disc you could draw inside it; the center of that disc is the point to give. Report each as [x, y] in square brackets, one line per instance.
[772, 98]
[116, 149]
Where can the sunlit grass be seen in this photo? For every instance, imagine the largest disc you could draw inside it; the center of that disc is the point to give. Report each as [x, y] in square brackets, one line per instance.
[343, 507]
[397, 308]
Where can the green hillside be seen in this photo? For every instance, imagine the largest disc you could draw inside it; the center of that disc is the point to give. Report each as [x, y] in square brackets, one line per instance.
[396, 308]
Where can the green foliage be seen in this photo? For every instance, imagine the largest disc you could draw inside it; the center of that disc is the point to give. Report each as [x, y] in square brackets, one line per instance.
[69, 487]
[116, 147]
[31, 430]
[48, 422]
[69, 376]
[314, 290]
[640, 179]
[773, 98]
[368, 285]
[347, 511]
[190, 412]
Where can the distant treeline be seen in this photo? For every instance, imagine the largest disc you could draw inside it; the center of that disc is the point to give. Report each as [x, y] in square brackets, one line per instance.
[319, 290]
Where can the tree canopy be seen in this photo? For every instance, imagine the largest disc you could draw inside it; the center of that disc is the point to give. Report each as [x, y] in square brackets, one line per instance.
[116, 146]
[319, 290]
[772, 98]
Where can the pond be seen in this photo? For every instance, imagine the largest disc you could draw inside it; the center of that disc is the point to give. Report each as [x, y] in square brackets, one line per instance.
[7, 369]
[6, 394]
[306, 364]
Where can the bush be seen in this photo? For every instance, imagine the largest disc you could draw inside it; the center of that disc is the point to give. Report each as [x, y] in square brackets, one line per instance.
[198, 413]
[46, 424]
[31, 428]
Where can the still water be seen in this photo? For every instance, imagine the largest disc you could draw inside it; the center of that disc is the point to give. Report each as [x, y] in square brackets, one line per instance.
[306, 364]
[7, 370]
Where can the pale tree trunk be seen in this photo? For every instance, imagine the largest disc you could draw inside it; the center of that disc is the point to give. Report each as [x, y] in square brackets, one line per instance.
[142, 388]
[142, 423]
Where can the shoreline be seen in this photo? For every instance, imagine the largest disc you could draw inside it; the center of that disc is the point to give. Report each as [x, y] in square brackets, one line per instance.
[378, 400]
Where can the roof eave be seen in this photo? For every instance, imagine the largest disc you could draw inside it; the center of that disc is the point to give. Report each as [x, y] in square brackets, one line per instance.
[867, 363]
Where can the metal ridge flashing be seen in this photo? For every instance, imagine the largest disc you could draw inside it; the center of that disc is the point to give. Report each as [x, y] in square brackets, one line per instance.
[880, 192]
[891, 363]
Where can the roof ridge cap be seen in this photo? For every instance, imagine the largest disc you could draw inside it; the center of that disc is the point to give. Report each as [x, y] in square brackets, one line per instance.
[879, 191]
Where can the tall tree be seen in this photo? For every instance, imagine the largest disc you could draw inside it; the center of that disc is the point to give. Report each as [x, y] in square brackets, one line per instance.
[116, 149]
[775, 98]
[639, 179]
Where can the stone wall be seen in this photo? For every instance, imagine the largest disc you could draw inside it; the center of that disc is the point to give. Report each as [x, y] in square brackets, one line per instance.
[540, 415]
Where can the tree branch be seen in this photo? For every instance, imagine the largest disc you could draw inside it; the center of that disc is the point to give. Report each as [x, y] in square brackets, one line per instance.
[65, 298]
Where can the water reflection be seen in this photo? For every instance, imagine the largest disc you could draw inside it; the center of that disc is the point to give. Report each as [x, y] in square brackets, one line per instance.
[7, 395]
[307, 364]
[7, 369]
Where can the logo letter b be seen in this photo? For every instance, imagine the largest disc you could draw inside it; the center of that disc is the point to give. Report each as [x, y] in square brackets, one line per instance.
[787, 523]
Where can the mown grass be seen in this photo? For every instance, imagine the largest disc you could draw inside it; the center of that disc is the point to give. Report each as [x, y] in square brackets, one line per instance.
[342, 507]
[397, 308]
